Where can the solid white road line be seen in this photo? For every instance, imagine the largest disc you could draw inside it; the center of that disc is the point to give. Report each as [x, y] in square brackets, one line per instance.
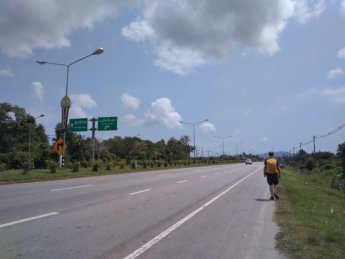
[158, 238]
[183, 181]
[74, 187]
[28, 219]
[134, 193]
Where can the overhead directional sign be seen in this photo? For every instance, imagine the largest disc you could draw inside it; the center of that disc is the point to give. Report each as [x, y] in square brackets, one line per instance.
[76, 125]
[107, 123]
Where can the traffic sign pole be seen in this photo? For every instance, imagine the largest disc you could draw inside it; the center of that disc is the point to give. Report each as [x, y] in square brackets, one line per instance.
[93, 129]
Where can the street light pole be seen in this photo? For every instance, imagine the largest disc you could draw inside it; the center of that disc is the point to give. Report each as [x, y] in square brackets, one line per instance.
[193, 124]
[65, 102]
[42, 115]
[223, 140]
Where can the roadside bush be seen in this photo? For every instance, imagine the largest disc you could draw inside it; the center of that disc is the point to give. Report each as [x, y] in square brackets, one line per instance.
[133, 165]
[52, 167]
[310, 164]
[122, 165]
[84, 164]
[76, 167]
[26, 166]
[2, 167]
[95, 168]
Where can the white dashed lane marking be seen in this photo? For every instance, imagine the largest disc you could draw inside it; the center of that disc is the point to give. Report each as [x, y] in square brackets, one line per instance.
[70, 188]
[134, 193]
[28, 219]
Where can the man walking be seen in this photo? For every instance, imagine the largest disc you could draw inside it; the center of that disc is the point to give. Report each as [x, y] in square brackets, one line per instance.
[272, 172]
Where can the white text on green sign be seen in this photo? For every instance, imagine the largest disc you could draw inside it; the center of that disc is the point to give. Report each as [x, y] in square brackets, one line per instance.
[78, 124]
[107, 123]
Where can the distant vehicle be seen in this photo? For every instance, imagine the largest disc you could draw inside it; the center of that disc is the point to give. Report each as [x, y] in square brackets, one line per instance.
[281, 165]
[248, 161]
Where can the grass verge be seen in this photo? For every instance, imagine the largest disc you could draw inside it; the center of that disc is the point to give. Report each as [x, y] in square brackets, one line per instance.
[17, 176]
[311, 217]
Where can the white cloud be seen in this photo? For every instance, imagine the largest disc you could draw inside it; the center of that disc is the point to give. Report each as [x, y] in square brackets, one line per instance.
[77, 112]
[336, 95]
[80, 102]
[236, 132]
[162, 112]
[343, 6]
[307, 93]
[207, 127]
[306, 10]
[29, 24]
[179, 60]
[341, 53]
[132, 120]
[38, 89]
[6, 73]
[335, 73]
[186, 33]
[247, 112]
[138, 31]
[129, 101]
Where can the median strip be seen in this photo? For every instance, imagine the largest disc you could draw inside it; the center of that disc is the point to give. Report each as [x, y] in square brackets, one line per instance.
[28, 219]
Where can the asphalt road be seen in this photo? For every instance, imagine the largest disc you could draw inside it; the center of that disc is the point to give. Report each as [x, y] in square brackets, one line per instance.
[204, 212]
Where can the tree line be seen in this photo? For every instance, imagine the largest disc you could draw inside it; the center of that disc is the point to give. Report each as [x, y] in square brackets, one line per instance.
[24, 144]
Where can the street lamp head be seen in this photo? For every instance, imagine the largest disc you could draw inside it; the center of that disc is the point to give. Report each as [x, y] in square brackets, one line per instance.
[98, 51]
[41, 62]
[42, 115]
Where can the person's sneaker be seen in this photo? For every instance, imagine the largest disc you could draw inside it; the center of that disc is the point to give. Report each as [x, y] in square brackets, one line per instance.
[277, 197]
[272, 198]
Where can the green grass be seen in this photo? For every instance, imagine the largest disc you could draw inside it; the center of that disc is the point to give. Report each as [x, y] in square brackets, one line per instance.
[311, 217]
[17, 176]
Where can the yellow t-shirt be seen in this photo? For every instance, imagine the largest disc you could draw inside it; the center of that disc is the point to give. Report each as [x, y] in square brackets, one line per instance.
[271, 166]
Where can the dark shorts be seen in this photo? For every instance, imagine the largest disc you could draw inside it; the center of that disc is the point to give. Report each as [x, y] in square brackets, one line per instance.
[272, 179]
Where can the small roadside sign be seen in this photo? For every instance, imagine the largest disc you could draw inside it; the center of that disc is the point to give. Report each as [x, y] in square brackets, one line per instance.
[107, 123]
[58, 146]
[76, 125]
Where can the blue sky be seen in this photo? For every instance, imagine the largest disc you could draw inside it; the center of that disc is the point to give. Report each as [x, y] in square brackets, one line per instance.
[270, 74]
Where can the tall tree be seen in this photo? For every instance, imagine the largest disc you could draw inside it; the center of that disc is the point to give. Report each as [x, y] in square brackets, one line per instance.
[20, 137]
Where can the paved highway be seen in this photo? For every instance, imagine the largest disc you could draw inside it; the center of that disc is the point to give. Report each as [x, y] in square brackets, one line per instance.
[219, 211]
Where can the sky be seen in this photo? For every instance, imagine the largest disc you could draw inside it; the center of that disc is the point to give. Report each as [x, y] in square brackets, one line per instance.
[267, 75]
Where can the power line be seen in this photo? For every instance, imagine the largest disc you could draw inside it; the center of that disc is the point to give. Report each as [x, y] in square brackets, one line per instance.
[332, 132]
[321, 136]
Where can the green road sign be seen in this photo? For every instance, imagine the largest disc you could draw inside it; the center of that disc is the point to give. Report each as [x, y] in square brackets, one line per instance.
[78, 124]
[107, 123]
